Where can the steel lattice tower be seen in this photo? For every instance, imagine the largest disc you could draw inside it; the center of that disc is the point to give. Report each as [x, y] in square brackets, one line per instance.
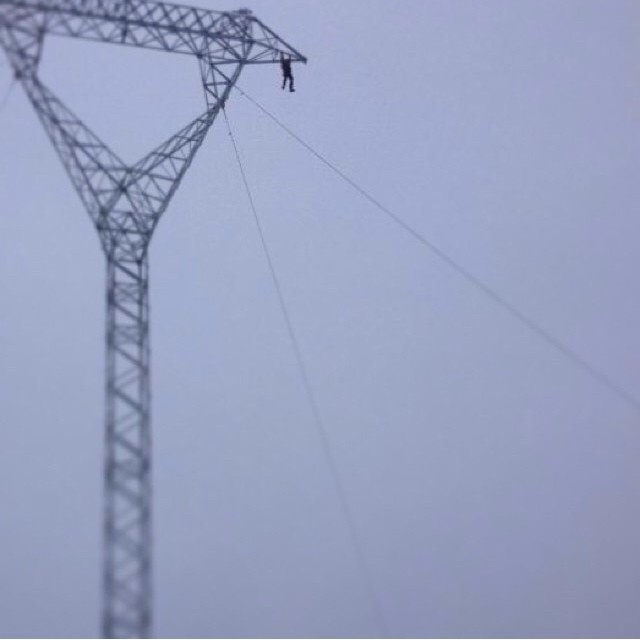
[125, 203]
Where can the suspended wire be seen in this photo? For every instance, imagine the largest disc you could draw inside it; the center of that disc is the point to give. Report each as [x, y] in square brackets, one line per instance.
[5, 98]
[536, 328]
[347, 512]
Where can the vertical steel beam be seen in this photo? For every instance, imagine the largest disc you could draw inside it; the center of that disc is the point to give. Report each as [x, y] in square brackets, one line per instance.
[127, 517]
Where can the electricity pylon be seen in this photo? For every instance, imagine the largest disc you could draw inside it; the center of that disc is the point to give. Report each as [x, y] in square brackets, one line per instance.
[125, 203]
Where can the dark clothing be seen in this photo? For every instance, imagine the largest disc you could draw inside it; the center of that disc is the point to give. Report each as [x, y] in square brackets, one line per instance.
[285, 64]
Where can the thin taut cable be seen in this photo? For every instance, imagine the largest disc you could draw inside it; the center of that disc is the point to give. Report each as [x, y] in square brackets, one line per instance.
[6, 96]
[358, 548]
[536, 328]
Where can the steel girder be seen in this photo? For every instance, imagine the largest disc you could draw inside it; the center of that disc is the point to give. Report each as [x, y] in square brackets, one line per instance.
[223, 36]
[125, 203]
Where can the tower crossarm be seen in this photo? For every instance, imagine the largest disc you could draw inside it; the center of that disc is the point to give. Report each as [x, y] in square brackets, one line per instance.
[221, 36]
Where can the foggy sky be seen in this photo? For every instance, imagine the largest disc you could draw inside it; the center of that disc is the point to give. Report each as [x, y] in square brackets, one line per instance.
[494, 485]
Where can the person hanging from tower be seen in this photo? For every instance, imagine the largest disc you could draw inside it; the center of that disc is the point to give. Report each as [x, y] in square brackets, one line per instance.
[285, 65]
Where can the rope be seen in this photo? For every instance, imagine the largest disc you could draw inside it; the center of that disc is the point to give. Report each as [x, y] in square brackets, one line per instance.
[313, 404]
[562, 348]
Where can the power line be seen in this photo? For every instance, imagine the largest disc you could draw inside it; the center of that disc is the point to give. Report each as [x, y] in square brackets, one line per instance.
[313, 404]
[5, 98]
[535, 327]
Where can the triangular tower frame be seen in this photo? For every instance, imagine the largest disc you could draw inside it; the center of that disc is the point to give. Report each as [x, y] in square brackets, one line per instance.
[125, 203]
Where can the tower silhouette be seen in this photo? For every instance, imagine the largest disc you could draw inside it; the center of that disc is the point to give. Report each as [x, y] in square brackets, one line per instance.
[125, 203]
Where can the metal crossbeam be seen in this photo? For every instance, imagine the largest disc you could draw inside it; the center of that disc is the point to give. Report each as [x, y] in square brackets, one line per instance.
[125, 204]
[223, 36]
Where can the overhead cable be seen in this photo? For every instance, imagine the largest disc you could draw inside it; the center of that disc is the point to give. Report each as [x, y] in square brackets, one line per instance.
[535, 327]
[341, 492]
[5, 98]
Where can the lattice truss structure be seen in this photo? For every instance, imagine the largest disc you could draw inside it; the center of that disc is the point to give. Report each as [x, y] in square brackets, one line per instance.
[125, 203]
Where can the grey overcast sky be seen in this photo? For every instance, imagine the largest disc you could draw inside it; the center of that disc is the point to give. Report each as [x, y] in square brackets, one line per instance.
[495, 486]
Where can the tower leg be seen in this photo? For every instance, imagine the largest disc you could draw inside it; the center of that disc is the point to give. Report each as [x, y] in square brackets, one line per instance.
[127, 515]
